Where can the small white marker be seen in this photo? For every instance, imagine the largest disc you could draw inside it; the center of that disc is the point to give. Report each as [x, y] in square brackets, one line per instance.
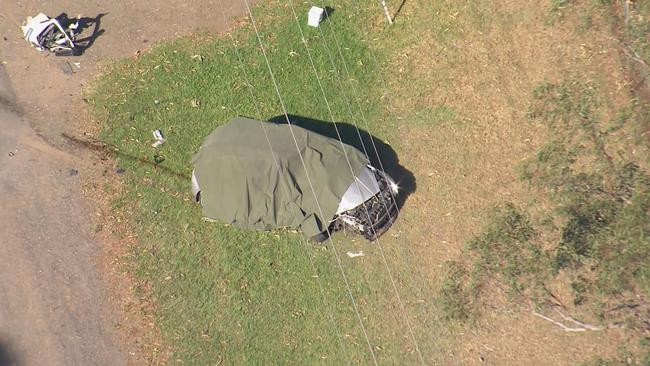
[315, 16]
[355, 254]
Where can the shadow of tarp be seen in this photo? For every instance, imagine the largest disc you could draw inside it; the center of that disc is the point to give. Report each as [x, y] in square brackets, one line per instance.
[360, 139]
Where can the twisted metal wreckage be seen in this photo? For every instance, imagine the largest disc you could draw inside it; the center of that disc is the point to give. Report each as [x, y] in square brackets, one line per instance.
[57, 34]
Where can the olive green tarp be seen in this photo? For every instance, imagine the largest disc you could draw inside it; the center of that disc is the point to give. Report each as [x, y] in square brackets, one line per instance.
[241, 185]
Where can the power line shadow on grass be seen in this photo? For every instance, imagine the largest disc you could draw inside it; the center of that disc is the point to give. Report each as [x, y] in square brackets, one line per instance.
[404, 178]
[399, 10]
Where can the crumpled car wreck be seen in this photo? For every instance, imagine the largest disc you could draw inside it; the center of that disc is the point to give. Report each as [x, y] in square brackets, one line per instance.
[319, 186]
[57, 35]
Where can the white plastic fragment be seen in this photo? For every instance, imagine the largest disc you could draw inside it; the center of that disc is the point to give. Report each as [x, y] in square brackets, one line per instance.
[33, 26]
[355, 254]
[315, 16]
[160, 139]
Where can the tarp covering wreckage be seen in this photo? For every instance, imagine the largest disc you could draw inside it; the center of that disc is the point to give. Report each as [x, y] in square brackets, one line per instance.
[303, 179]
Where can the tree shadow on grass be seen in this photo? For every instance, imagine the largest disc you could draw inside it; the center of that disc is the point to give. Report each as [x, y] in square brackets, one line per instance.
[360, 139]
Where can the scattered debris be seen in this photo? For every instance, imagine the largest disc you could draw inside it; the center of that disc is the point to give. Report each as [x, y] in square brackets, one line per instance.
[158, 159]
[578, 325]
[77, 64]
[195, 103]
[160, 139]
[315, 16]
[67, 68]
[45, 33]
[73, 172]
[355, 254]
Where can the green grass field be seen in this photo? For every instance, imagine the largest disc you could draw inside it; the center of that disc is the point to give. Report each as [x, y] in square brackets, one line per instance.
[451, 88]
[223, 293]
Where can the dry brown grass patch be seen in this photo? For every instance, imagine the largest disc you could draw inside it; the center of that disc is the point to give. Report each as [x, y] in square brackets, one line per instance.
[482, 76]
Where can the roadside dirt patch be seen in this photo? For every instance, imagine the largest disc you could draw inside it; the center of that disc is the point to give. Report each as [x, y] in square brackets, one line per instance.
[52, 98]
[54, 243]
[137, 320]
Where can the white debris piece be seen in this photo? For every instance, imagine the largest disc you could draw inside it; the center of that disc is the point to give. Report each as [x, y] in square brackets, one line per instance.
[355, 254]
[43, 32]
[160, 139]
[315, 16]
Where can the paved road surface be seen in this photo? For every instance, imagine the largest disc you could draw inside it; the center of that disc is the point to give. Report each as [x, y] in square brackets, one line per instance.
[51, 298]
